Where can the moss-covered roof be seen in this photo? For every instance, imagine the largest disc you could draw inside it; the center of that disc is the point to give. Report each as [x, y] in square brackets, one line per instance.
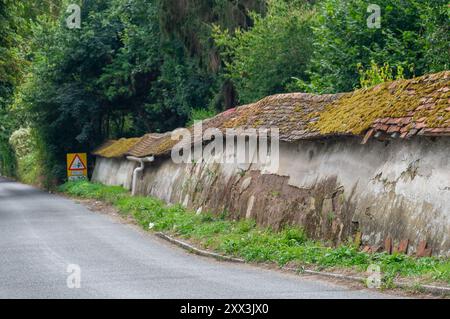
[403, 108]
[117, 148]
[407, 107]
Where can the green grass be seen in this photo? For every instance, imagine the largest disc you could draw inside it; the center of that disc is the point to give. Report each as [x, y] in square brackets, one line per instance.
[246, 240]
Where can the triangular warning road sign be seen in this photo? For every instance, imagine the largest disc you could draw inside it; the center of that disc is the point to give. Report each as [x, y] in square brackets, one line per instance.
[77, 164]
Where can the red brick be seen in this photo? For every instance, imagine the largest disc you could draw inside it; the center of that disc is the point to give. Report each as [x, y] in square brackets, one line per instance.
[421, 249]
[367, 249]
[403, 246]
[388, 245]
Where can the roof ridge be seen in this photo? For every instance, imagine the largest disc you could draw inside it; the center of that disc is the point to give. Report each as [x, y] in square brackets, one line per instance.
[400, 108]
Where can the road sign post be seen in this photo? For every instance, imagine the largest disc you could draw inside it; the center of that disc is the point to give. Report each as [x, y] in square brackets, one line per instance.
[76, 166]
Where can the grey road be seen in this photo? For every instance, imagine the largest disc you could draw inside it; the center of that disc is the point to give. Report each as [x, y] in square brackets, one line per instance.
[42, 234]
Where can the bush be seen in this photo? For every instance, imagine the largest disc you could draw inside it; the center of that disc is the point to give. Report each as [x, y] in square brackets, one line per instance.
[414, 35]
[265, 59]
[23, 142]
[378, 74]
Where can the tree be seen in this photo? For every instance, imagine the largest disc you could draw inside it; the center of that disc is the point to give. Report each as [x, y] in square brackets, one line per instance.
[11, 71]
[343, 40]
[264, 59]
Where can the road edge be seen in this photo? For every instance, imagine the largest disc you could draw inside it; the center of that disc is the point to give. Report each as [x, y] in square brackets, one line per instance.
[433, 290]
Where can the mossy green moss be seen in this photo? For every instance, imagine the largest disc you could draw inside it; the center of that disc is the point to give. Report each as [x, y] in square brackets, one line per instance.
[355, 112]
[117, 148]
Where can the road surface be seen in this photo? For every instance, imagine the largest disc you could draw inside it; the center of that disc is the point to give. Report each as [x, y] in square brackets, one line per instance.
[41, 235]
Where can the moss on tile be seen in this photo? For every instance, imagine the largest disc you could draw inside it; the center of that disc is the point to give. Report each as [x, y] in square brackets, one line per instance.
[355, 112]
[118, 148]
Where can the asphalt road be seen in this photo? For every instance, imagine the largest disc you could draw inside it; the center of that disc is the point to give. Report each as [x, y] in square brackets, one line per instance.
[42, 234]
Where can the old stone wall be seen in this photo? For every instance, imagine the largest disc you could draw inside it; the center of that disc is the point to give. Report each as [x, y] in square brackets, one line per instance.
[332, 188]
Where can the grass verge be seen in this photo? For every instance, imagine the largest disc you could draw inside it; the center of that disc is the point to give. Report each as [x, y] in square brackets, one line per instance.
[246, 240]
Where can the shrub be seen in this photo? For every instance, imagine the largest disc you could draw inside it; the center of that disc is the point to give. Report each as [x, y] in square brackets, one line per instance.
[264, 59]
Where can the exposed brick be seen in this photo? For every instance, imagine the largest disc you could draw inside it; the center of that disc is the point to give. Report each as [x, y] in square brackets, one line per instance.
[367, 249]
[388, 245]
[403, 246]
[421, 249]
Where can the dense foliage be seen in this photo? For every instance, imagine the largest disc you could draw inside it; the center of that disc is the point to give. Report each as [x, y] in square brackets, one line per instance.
[267, 58]
[138, 66]
[414, 35]
[8, 70]
[16, 21]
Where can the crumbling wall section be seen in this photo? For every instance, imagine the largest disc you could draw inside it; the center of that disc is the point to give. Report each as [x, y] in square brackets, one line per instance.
[331, 188]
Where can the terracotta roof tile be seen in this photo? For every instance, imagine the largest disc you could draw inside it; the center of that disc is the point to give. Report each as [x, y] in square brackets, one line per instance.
[401, 108]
